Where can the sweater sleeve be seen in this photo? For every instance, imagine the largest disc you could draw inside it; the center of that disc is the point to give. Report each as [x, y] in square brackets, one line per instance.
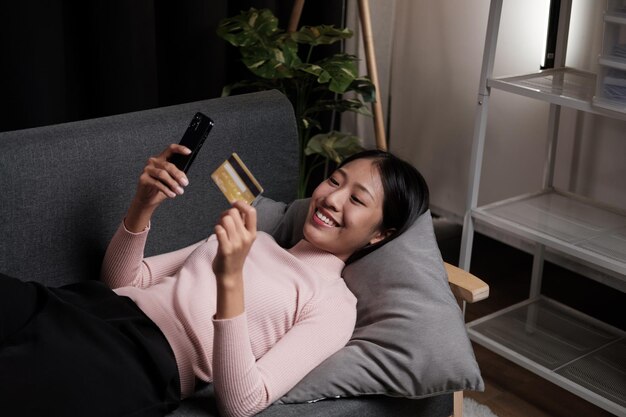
[124, 263]
[244, 387]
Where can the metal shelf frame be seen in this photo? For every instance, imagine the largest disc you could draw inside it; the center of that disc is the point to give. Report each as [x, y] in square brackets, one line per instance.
[531, 327]
[597, 221]
[595, 243]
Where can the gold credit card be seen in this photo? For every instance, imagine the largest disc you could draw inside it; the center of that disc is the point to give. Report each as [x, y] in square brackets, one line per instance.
[236, 181]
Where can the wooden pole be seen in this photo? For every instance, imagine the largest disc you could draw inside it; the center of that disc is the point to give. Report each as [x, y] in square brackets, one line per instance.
[296, 12]
[379, 124]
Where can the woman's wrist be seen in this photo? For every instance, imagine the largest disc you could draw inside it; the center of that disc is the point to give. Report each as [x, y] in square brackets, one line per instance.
[138, 216]
[230, 300]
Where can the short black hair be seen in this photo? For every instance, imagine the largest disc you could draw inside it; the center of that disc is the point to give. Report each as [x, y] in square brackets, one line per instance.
[406, 195]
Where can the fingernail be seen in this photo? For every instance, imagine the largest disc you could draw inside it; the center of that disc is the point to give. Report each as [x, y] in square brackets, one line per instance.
[179, 190]
[185, 181]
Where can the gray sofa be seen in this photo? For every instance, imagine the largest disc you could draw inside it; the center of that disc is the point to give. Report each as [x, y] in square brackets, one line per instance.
[65, 189]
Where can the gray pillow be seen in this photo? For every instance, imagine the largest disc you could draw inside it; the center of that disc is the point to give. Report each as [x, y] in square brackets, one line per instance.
[410, 339]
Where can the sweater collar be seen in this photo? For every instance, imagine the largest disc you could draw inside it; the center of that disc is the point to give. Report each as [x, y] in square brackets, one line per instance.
[320, 260]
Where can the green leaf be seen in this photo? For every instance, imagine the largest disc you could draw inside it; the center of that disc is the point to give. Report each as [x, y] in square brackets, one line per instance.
[249, 28]
[263, 22]
[280, 61]
[334, 145]
[340, 70]
[365, 88]
[312, 69]
[320, 35]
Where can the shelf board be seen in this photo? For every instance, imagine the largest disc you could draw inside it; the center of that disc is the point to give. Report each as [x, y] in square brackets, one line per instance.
[565, 222]
[613, 62]
[615, 17]
[570, 349]
[566, 87]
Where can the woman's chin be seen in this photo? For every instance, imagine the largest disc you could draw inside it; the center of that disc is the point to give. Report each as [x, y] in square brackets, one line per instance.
[317, 235]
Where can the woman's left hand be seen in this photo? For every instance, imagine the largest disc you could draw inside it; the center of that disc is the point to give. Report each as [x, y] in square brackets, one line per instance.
[235, 231]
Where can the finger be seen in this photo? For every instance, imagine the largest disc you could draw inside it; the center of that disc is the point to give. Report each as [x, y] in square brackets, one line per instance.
[148, 180]
[180, 176]
[176, 173]
[249, 215]
[233, 222]
[174, 148]
[164, 177]
[224, 214]
[238, 223]
[172, 169]
[228, 223]
[220, 232]
[224, 245]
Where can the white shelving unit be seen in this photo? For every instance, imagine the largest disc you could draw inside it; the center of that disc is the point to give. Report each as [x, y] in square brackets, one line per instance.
[568, 348]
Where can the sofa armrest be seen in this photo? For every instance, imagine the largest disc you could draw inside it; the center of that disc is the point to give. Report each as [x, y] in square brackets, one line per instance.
[466, 286]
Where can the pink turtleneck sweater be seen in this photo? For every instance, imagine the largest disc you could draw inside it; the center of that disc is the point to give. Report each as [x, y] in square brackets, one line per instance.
[298, 311]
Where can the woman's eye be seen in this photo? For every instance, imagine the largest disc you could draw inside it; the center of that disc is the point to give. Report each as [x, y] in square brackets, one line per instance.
[356, 200]
[333, 181]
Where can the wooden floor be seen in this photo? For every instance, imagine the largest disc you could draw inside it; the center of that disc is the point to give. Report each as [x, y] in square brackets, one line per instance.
[510, 390]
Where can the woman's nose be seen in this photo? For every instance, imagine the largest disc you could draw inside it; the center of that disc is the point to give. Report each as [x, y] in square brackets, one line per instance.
[334, 199]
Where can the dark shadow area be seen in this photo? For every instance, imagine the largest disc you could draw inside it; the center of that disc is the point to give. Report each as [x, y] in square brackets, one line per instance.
[72, 60]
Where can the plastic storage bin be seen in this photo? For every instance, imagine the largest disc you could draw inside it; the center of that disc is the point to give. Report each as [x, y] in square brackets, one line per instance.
[611, 81]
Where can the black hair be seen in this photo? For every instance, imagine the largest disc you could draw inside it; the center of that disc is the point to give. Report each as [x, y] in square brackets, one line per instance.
[406, 195]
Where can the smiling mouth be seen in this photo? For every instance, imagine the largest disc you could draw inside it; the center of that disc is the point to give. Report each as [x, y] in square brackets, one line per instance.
[326, 220]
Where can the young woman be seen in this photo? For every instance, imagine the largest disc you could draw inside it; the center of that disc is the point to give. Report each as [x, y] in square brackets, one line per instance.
[235, 309]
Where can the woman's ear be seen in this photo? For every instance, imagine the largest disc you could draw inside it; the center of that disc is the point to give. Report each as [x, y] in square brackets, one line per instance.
[382, 235]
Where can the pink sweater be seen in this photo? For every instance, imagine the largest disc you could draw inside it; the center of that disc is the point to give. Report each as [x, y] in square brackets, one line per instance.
[298, 311]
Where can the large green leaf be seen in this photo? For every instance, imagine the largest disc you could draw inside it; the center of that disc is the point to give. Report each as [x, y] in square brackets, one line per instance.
[334, 145]
[279, 61]
[339, 70]
[250, 28]
[265, 49]
[320, 35]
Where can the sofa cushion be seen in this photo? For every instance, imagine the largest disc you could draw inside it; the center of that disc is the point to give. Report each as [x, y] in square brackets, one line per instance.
[410, 337]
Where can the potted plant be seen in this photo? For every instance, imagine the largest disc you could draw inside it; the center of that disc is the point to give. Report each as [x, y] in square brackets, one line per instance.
[314, 88]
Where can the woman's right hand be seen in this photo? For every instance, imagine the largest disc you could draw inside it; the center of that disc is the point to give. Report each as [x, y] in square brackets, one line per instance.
[159, 181]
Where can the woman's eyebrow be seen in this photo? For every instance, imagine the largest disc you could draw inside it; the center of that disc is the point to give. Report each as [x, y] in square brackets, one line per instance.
[357, 184]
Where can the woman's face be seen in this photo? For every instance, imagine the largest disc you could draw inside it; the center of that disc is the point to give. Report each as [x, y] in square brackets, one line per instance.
[346, 210]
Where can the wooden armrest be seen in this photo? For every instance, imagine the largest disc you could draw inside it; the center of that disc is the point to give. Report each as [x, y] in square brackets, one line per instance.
[465, 285]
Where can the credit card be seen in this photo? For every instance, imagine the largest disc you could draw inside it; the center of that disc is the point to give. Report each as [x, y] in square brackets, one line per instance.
[236, 181]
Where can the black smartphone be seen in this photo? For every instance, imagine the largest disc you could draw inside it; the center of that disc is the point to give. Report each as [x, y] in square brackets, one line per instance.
[194, 137]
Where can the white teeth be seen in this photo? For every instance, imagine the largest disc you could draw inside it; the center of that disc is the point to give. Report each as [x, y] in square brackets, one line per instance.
[325, 219]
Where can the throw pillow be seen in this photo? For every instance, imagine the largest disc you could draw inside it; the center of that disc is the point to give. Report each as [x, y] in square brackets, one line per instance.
[410, 338]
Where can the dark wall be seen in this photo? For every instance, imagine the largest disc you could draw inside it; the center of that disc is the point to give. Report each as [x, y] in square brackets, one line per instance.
[70, 60]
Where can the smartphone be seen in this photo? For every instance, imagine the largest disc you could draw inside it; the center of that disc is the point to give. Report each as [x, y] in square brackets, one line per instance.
[194, 137]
